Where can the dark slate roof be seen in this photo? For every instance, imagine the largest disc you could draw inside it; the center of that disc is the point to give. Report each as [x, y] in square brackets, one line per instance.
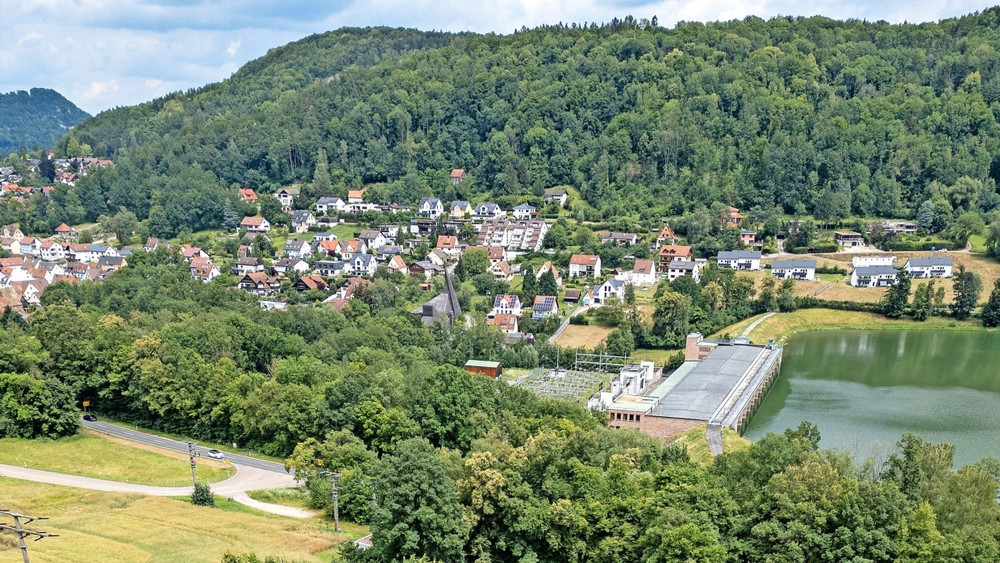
[930, 261]
[793, 264]
[875, 270]
[739, 255]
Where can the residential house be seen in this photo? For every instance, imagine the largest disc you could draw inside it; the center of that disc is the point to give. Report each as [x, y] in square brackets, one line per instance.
[548, 267]
[665, 236]
[873, 260]
[430, 207]
[295, 248]
[247, 265]
[422, 227]
[363, 265]
[930, 267]
[272, 305]
[52, 250]
[558, 195]
[13, 246]
[620, 239]
[331, 268]
[31, 246]
[732, 218]
[306, 283]
[848, 239]
[152, 243]
[525, 211]
[259, 283]
[373, 239]
[671, 252]
[356, 196]
[507, 304]
[302, 220]
[350, 248]
[795, 269]
[396, 265]
[502, 272]
[683, 267]
[611, 289]
[874, 276]
[79, 253]
[517, 235]
[287, 197]
[449, 245]
[327, 204]
[203, 269]
[458, 175]
[489, 211]
[425, 269]
[748, 237]
[390, 232]
[438, 258]
[544, 306]
[248, 195]
[743, 260]
[327, 248]
[255, 224]
[285, 265]
[187, 251]
[11, 231]
[317, 237]
[460, 209]
[584, 266]
[506, 323]
[893, 228]
[111, 263]
[643, 273]
[360, 207]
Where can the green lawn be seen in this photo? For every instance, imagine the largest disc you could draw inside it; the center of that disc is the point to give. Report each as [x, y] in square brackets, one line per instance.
[97, 526]
[297, 497]
[89, 455]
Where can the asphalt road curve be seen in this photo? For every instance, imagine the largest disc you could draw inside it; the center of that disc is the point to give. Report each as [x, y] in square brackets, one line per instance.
[167, 443]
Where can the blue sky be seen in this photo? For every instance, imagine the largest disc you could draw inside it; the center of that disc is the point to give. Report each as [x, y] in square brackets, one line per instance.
[106, 53]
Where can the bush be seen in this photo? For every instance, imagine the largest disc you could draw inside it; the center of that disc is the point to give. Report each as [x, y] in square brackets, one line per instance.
[675, 360]
[831, 270]
[823, 247]
[203, 495]
[814, 303]
[579, 320]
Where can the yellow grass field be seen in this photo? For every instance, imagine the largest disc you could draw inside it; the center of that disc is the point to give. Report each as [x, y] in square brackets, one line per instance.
[697, 445]
[583, 336]
[96, 526]
[95, 455]
[783, 325]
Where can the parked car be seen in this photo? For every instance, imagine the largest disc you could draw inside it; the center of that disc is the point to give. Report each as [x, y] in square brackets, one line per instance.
[90, 417]
[216, 454]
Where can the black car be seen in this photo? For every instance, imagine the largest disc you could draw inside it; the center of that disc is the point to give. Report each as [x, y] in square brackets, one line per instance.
[90, 417]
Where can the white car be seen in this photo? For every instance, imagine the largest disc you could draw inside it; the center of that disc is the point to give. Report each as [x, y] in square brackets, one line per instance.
[216, 454]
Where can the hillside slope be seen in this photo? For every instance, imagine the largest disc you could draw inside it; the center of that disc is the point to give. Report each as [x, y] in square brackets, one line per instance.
[37, 118]
[807, 114]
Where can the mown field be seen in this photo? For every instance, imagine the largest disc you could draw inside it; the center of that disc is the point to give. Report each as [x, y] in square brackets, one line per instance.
[783, 325]
[94, 455]
[96, 526]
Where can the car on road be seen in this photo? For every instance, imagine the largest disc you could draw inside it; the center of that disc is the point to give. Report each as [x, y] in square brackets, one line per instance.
[90, 417]
[216, 454]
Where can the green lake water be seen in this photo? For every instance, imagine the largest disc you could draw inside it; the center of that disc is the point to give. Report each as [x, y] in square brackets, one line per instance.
[865, 389]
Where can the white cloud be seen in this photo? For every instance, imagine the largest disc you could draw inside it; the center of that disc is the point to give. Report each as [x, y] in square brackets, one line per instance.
[233, 47]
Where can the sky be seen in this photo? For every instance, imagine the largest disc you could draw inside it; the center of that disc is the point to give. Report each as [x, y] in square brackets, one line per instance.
[107, 53]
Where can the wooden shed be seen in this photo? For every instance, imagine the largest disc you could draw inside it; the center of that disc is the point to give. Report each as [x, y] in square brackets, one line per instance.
[489, 369]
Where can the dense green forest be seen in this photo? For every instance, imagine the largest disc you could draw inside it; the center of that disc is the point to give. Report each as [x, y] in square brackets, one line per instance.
[807, 114]
[35, 119]
[464, 467]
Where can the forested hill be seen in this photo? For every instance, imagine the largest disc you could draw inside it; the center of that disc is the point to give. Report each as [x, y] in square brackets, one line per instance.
[35, 119]
[793, 112]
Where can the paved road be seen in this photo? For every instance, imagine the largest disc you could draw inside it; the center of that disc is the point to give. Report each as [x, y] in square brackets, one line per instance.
[753, 325]
[168, 444]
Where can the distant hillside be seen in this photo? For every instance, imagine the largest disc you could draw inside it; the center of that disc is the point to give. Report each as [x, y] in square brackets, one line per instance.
[809, 115]
[35, 119]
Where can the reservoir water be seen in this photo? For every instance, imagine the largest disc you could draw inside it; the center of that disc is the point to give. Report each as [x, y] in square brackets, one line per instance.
[865, 389]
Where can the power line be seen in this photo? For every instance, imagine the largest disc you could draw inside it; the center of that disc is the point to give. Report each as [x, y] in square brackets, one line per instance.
[20, 521]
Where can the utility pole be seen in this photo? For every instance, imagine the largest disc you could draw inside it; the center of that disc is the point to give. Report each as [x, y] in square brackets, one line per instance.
[18, 528]
[334, 478]
[192, 453]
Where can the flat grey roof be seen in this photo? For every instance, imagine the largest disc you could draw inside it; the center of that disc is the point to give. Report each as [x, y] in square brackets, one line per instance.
[930, 261]
[793, 264]
[705, 387]
[739, 255]
[876, 270]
